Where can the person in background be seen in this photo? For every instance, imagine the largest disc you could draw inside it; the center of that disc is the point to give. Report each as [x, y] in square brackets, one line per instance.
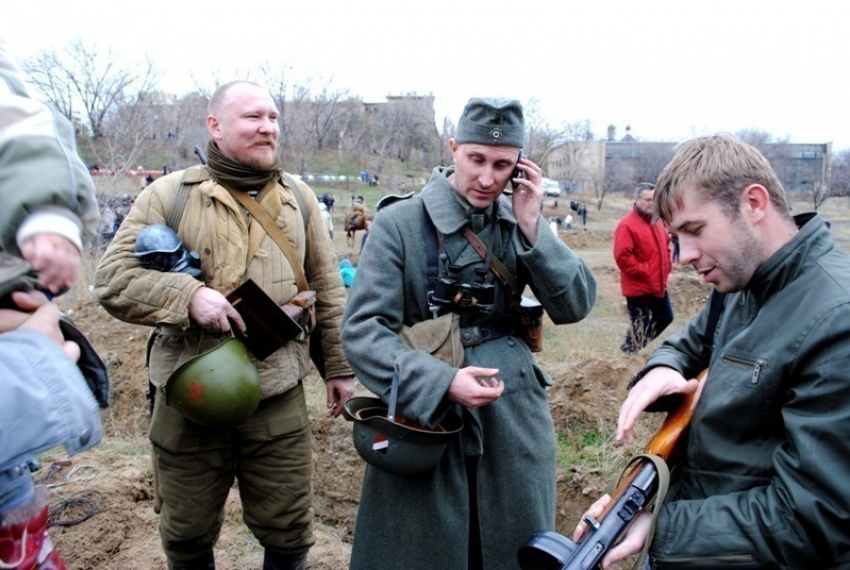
[326, 218]
[642, 252]
[347, 271]
[269, 453]
[369, 219]
[762, 480]
[48, 214]
[495, 483]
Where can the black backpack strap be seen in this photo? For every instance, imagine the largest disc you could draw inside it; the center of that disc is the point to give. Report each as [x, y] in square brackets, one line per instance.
[429, 234]
[714, 307]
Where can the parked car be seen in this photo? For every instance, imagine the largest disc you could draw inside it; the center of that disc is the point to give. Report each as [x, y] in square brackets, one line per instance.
[551, 187]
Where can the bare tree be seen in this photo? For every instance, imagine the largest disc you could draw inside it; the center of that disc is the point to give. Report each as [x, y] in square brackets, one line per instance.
[324, 115]
[385, 124]
[183, 125]
[652, 160]
[620, 175]
[540, 137]
[840, 175]
[297, 144]
[352, 142]
[573, 161]
[89, 79]
[291, 100]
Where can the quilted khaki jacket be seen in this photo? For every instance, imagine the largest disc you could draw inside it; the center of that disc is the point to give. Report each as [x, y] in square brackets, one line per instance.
[231, 249]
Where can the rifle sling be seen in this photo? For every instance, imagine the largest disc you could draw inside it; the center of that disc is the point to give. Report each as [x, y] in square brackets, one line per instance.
[663, 484]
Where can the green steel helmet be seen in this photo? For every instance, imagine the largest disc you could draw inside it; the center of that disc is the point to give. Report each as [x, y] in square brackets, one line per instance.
[398, 445]
[218, 388]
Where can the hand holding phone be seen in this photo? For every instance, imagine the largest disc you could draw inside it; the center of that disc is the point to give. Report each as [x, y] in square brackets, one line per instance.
[517, 173]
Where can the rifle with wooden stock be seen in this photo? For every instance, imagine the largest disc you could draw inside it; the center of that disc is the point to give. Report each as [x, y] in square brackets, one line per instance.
[547, 550]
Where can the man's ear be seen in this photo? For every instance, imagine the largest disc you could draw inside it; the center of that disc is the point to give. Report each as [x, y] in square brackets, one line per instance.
[213, 126]
[755, 200]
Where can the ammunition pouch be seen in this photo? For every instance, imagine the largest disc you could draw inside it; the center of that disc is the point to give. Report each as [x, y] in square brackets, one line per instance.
[532, 324]
[440, 337]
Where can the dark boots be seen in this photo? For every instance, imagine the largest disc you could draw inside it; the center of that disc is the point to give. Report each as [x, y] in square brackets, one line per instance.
[271, 561]
[278, 561]
[205, 562]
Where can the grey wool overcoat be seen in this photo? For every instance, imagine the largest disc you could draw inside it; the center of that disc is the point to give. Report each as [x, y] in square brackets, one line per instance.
[423, 522]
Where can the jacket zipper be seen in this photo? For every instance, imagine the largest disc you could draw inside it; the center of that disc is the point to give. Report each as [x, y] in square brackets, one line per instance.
[756, 365]
[731, 558]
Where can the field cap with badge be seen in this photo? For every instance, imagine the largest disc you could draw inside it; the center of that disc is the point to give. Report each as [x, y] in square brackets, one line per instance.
[492, 121]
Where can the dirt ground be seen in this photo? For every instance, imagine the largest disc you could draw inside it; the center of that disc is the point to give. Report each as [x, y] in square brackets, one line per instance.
[116, 476]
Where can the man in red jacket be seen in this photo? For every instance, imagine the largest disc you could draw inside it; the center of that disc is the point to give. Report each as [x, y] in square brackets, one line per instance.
[642, 252]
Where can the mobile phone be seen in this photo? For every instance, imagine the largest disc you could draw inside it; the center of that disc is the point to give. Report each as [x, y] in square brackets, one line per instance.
[517, 173]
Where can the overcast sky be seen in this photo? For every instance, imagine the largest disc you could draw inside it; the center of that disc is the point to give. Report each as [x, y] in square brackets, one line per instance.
[669, 69]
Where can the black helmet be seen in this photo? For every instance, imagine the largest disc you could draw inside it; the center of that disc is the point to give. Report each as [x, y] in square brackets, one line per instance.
[158, 247]
[394, 443]
[157, 238]
[218, 388]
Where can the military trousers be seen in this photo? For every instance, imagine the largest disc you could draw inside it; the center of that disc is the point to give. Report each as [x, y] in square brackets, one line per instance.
[269, 455]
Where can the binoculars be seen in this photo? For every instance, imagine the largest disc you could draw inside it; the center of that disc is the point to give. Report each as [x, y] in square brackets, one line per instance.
[478, 295]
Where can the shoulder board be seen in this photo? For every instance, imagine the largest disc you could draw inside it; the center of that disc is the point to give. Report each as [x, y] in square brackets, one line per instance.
[195, 174]
[391, 199]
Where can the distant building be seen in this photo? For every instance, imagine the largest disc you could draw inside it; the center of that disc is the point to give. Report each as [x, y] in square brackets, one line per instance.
[617, 165]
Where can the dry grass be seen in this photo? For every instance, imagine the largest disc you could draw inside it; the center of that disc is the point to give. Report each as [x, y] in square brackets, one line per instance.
[586, 449]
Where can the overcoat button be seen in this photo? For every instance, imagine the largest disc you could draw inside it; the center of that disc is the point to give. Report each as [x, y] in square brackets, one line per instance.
[85, 437]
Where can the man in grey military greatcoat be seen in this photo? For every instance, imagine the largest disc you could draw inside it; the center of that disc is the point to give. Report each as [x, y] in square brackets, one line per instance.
[495, 483]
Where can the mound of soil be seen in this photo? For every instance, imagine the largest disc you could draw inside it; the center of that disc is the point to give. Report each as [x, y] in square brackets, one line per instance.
[115, 479]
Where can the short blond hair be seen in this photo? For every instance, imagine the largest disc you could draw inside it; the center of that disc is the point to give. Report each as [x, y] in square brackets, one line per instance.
[217, 99]
[719, 166]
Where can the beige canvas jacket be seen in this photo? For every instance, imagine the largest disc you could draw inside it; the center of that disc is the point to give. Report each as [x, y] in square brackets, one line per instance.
[231, 249]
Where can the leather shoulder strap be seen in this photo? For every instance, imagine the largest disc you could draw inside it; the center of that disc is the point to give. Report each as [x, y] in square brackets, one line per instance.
[276, 234]
[514, 294]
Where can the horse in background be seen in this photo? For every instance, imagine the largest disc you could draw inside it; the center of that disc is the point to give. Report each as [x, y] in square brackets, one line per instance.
[354, 220]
